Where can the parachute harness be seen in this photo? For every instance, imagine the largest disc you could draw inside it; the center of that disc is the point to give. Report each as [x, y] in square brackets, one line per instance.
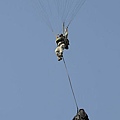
[71, 85]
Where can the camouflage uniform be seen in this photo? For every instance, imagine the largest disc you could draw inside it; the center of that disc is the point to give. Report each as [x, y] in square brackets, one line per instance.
[60, 47]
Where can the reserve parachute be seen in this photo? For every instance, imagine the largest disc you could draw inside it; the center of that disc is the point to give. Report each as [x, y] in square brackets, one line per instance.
[56, 12]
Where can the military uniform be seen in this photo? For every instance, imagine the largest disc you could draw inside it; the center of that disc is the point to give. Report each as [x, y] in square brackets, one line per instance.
[62, 43]
[60, 47]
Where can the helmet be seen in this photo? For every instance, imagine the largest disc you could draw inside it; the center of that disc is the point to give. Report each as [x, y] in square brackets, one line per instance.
[61, 35]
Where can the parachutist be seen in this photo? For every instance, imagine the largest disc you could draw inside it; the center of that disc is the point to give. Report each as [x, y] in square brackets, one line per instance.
[62, 43]
[60, 46]
[81, 115]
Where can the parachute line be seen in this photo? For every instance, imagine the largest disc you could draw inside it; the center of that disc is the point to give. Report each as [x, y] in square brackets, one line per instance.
[70, 84]
[69, 7]
[56, 12]
[45, 14]
[75, 11]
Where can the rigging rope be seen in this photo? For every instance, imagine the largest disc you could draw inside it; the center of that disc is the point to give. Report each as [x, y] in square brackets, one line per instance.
[70, 84]
[76, 10]
[45, 15]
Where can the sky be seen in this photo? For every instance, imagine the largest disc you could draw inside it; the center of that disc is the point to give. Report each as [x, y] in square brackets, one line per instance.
[34, 85]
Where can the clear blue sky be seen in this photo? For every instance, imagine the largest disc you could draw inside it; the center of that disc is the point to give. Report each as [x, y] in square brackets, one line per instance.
[34, 85]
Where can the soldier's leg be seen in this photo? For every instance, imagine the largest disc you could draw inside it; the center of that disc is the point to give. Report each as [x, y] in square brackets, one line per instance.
[57, 51]
[62, 47]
